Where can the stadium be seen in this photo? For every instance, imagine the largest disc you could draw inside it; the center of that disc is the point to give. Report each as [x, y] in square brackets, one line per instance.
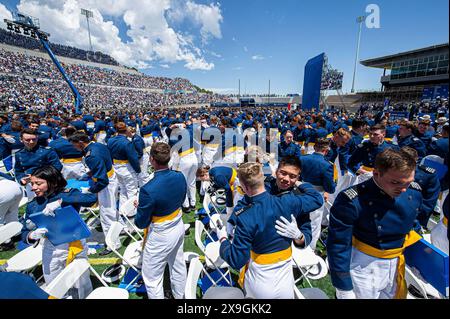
[168, 190]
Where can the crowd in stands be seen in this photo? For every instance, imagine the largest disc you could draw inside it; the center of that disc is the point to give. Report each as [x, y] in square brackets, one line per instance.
[12, 38]
[34, 83]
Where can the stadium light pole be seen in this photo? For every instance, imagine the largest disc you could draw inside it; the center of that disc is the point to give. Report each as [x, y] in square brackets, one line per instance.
[88, 15]
[359, 20]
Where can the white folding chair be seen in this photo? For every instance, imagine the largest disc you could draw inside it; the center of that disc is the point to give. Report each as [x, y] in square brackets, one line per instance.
[223, 293]
[113, 242]
[26, 260]
[309, 264]
[9, 231]
[425, 289]
[108, 293]
[128, 211]
[309, 293]
[199, 231]
[198, 270]
[65, 280]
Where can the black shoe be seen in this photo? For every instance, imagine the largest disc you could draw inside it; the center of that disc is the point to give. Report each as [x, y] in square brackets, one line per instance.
[192, 208]
[7, 247]
[186, 210]
[105, 252]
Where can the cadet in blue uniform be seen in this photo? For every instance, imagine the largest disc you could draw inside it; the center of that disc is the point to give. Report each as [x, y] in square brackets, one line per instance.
[423, 133]
[159, 212]
[48, 185]
[99, 161]
[363, 159]
[31, 157]
[288, 147]
[222, 177]
[126, 163]
[99, 130]
[440, 146]
[70, 157]
[406, 138]
[268, 273]
[139, 145]
[377, 218]
[319, 172]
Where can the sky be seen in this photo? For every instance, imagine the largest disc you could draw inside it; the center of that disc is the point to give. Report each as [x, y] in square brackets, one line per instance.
[215, 44]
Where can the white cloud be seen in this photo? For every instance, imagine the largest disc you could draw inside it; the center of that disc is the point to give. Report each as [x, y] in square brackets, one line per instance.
[152, 38]
[238, 68]
[165, 66]
[4, 14]
[257, 57]
[245, 49]
[217, 55]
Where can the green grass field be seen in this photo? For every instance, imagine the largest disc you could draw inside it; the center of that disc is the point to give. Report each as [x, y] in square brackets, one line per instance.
[189, 245]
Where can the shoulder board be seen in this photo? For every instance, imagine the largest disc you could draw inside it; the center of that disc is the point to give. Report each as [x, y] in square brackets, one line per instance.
[48, 148]
[415, 139]
[428, 169]
[351, 193]
[415, 186]
[240, 211]
[88, 154]
[361, 145]
[67, 190]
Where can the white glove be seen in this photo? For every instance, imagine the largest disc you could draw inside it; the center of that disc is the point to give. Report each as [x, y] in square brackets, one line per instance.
[85, 190]
[221, 232]
[38, 234]
[343, 294]
[288, 229]
[49, 210]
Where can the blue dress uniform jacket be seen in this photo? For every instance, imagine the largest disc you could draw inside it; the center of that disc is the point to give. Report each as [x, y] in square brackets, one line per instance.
[161, 196]
[70, 197]
[79, 125]
[15, 285]
[255, 229]
[290, 149]
[99, 126]
[122, 149]
[220, 177]
[65, 149]
[365, 155]
[372, 217]
[428, 180]
[414, 143]
[439, 148]
[139, 145]
[343, 153]
[99, 161]
[317, 171]
[29, 160]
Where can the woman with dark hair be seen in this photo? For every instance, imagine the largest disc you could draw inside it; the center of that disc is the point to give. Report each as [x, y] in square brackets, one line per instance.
[49, 186]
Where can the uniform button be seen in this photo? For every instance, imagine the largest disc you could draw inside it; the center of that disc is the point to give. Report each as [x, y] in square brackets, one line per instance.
[376, 215]
[379, 227]
[410, 197]
[380, 241]
[370, 203]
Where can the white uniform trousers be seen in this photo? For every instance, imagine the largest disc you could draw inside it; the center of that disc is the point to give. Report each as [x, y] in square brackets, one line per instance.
[439, 237]
[148, 141]
[127, 181]
[164, 246]
[143, 177]
[208, 154]
[188, 166]
[316, 226]
[233, 159]
[275, 281]
[11, 194]
[107, 204]
[372, 277]
[73, 170]
[54, 261]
